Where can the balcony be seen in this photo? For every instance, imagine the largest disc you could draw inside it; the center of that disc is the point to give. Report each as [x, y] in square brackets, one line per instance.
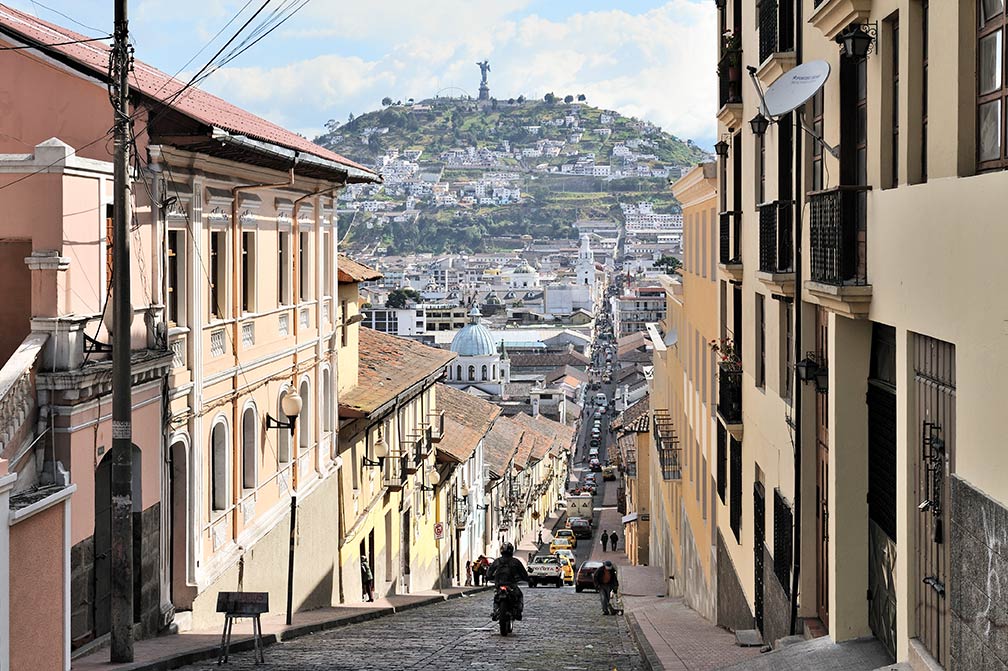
[776, 39]
[832, 16]
[394, 473]
[838, 242]
[668, 445]
[730, 397]
[776, 247]
[730, 256]
[729, 71]
[436, 426]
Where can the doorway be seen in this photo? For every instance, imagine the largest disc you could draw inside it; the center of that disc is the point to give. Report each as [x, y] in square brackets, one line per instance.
[759, 540]
[822, 471]
[180, 542]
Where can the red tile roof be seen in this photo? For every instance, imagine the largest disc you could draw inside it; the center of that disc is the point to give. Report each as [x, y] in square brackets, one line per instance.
[389, 365]
[194, 103]
[542, 440]
[500, 445]
[467, 421]
[350, 271]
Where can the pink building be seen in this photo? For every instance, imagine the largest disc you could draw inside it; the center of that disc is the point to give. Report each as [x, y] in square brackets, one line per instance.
[235, 306]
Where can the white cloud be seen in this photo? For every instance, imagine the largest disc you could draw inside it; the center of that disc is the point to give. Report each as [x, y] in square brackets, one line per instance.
[658, 65]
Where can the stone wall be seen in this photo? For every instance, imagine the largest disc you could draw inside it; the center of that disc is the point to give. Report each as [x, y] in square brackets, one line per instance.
[697, 592]
[776, 604]
[81, 591]
[147, 560]
[733, 610]
[978, 580]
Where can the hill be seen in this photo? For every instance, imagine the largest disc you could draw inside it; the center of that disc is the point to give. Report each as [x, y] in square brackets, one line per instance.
[462, 175]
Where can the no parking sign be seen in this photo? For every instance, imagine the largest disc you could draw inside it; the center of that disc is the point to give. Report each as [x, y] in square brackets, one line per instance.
[438, 531]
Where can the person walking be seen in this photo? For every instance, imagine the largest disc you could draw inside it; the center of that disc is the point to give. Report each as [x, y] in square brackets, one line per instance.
[367, 579]
[469, 574]
[606, 582]
[605, 540]
[477, 570]
[613, 538]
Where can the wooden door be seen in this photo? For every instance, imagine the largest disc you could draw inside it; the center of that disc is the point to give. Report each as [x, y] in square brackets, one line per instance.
[759, 540]
[934, 382]
[822, 473]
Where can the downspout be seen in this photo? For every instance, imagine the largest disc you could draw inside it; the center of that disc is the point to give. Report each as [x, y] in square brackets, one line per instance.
[236, 313]
[796, 384]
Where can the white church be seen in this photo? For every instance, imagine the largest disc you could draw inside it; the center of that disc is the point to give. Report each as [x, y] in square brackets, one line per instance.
[563, 298]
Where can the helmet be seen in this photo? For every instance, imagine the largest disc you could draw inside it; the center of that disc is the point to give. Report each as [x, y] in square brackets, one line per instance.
[507, 549]
[607, 564]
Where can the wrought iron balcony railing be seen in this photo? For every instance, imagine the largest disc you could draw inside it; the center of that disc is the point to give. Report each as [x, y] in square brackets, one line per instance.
[776, 27]
[731, 238]
[668, 445]
[730, 393]
[838, 235]
[776, 251]
[730, 77]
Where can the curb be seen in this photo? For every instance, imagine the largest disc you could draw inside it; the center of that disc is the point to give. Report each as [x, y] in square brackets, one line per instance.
[648, 655]
[247, 642]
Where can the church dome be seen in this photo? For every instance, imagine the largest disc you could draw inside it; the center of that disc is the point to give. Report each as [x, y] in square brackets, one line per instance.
[474, 339]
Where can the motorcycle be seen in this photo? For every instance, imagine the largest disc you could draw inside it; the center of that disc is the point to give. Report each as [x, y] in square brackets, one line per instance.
[505, 608]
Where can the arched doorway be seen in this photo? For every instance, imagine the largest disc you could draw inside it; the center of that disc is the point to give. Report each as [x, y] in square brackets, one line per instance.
[181, 546]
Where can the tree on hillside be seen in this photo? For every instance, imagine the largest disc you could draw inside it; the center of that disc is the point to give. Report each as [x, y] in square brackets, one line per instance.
[581, 97]
[669, 264]
[386, 101]
[398, 298]
[568, 99]
[550, 98]
[521, 99]
[511, 101]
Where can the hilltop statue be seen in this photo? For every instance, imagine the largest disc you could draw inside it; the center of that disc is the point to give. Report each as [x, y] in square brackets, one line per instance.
[484, 89]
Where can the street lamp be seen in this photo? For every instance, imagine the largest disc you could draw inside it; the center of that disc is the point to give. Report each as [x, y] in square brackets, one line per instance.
[380, 452]
[291, 407]
[809, 370]
[759, 124]
[721, 149]
[434, 477]
[858, 39]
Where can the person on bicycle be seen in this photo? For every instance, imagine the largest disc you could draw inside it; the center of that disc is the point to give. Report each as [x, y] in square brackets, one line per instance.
[506, 570]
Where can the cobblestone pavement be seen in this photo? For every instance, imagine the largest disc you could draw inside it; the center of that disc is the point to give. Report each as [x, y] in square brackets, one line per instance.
[561, 631]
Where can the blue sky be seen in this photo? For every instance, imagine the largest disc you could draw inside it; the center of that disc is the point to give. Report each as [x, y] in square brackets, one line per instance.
[645, 58]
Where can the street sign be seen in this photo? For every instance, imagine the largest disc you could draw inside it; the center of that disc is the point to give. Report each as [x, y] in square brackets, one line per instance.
[438, 531]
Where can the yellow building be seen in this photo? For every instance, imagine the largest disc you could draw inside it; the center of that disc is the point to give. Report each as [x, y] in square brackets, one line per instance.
[897, 486]
[633, 443]
[685, 438]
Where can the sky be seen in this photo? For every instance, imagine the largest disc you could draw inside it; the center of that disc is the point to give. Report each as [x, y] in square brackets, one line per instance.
[645, 58]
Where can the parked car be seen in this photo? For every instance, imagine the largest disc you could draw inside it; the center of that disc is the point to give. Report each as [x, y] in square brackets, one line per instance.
[569, 554]
[594, 442]
[585, 578]
[581, 528]
[595, 465]
[608, 472]
[593, 453]
[566, 569]
[571, 521]
[559, 544]
[568, 534]
[590, 487]
[545, 569]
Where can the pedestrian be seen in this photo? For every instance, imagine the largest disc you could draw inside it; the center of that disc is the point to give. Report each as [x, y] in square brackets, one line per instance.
[606, 582]
[469, 574]
[539, 539]
[367, 579]
[613, 538]
[478, 571]
[605, 540]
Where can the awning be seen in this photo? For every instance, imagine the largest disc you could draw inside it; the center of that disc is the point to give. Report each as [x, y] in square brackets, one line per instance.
[631, 517]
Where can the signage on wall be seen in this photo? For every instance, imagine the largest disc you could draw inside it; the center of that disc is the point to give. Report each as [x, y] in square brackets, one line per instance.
[438, 531]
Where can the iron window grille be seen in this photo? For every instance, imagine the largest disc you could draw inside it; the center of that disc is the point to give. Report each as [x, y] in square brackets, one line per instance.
[783, 522]
[838, 235]
[776, 250]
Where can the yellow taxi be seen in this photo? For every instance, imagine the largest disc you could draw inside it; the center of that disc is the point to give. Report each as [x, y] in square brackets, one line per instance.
[568, 556]
[568, 534]
[559, 543]
[566, 569]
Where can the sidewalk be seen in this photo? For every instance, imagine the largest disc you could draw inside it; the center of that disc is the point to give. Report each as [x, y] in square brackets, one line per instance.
[175, 650]
[670, 634]
[529, 543]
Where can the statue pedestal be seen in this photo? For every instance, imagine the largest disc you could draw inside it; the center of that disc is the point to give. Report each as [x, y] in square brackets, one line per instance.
[484, 92]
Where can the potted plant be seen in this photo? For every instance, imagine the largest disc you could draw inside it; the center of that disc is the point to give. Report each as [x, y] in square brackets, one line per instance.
[727, 354]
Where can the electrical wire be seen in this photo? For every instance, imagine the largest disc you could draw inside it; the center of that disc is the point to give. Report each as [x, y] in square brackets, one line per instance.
[65, 16]
[56, 44]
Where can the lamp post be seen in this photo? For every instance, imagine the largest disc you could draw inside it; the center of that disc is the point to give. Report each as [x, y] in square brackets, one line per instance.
[759, 124]
[290, 405]
[857, 41]
[380, 452]
[721, 149]
[291, 408]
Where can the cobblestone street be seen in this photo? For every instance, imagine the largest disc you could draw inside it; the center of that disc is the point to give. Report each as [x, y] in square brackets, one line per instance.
[561, 630]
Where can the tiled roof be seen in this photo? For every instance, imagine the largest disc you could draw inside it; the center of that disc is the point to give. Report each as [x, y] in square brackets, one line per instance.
[152, 83]
[631, 342]
[350, 271]
[388, 366]
[525, 445]
[634, 419]
[500, 445]
[540, 442]
[567, 371]
[467, 420]
[550, 360]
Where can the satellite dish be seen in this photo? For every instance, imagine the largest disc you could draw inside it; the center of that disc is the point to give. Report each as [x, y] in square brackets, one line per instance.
[795, 87]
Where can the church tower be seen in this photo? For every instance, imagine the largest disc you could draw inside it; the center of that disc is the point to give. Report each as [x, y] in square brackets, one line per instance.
[586, 264]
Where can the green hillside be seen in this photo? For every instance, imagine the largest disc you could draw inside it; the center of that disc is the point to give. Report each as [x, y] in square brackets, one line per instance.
[533, 145]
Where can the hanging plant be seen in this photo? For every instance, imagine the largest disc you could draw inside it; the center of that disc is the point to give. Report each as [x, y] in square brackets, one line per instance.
[727, 354]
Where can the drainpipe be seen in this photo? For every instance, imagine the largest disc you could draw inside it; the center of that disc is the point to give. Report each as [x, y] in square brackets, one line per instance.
[236, 313]
[796, 384]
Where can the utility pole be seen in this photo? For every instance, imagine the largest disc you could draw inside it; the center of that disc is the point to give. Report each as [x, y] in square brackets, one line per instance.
[122, 317]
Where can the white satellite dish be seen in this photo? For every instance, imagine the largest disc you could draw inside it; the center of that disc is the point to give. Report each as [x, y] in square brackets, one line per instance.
[795, 87]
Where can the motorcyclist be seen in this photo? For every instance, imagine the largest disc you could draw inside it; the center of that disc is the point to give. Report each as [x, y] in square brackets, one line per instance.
[506, 570]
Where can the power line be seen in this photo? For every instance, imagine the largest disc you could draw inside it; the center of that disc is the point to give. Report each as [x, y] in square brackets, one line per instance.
[56, 44]
[65, 16]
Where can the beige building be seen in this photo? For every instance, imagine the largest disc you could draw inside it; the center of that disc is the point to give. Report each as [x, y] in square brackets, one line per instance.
[632, 427]
[899, 465]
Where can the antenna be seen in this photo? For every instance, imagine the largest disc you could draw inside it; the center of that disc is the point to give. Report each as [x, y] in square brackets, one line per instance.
[792, 90]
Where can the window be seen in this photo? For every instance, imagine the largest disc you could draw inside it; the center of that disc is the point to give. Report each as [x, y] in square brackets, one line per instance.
[472, 373]
[484, 373]
[894, 100]
[327, 407]
[219, 466]
[458, 373]
[783, 523]
[722, 461]
[735, 514]
[327, 264]
[345, 329]
[761, 192]
[787, 349]
[760, 341]
[248, 271]
[991, 87]
[306, 429]
[218, 274]
[817, 147]
[176, 278]
[924, 91]
[283, 435]
[283, 268]
[702, 231]
[249, 461]
[304, 267]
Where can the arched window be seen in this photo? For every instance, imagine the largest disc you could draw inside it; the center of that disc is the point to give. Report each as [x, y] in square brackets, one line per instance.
[283, 435]
[249, 461]
[327, 406]
[472, 373]
[484, 372]
[219, 466]
[495, 371]
[306, 431]
[458, 373]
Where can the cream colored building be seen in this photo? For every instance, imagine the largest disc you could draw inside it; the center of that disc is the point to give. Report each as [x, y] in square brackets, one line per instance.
[901, 305]
[632, 428]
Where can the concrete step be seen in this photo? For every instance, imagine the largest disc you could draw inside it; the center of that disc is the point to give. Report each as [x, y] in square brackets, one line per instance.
[749, 638]
[812, 627]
